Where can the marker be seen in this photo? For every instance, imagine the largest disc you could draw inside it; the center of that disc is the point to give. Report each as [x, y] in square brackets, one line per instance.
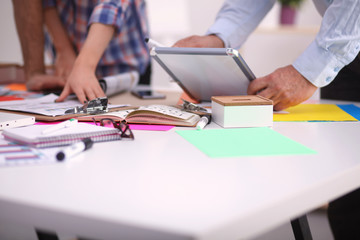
[74, 149]
[204, 120]
[153, 43]
[65, 124]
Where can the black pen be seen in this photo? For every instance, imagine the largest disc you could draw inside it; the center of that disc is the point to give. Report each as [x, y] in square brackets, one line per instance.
[204, 120]
[74, 149]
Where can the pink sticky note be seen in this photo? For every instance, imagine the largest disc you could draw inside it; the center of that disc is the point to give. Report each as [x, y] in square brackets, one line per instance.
[150, 127]
[47, 123]
[132, 126]
[57, 122]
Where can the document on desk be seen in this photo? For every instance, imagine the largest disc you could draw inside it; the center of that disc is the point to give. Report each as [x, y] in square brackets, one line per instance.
[314, 112]
[45, 106]
[243, 142]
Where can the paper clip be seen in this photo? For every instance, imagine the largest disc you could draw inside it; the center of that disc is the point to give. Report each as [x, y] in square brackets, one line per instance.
[192, 107]
[95, 106]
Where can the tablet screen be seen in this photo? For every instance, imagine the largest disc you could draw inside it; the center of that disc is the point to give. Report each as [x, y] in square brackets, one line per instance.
[206, 72]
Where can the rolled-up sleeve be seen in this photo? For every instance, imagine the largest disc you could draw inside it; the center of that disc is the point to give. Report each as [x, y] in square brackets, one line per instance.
[110, 13]
[336, 45]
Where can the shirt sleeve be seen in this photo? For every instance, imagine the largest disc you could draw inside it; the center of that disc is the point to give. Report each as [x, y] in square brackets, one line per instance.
[336, 44]
[109, 12]
[238, 18]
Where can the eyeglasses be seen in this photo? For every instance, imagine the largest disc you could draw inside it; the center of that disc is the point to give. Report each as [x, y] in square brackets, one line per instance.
[125, 131]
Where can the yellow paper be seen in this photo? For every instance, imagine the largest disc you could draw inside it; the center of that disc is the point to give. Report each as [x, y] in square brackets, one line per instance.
[314, 112]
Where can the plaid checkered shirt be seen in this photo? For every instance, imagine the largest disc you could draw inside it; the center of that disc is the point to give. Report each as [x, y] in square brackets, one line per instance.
[126, 51]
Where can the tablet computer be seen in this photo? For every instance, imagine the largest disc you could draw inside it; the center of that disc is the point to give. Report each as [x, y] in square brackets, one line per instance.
[205, 72]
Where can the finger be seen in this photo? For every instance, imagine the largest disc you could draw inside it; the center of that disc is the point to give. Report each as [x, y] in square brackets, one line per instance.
[281, 106]
[81, 95]
[256, 86]
[267, 93]
[99, 92]
[90, 94]
[65, 92]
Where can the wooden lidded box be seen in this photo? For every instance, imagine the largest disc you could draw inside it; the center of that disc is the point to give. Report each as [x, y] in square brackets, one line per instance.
[242, 111]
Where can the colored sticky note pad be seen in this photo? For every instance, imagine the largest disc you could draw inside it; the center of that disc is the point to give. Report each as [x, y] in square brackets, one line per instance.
[150, 127]
[238, 142]
[351, 109]
[17, 87]
[10, 98]
[132, 126]
[314, 112]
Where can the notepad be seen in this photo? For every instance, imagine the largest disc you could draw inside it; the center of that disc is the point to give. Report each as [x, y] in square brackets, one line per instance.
[243, 142]
[32, 135]
[314, 112]
[151, 114]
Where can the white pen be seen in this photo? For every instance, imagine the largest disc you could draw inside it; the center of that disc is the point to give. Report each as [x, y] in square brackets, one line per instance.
[153, 43]
[68, 123]
[74, 149]
[204, 120]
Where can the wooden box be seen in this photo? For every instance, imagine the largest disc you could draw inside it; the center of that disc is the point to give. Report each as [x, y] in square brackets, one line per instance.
[242, 111]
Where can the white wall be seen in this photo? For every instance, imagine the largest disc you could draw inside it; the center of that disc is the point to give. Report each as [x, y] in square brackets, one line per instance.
[9, 44]
[175, 19]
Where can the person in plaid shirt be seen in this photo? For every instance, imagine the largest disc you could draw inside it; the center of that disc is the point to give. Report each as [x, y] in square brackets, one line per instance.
[89, 39]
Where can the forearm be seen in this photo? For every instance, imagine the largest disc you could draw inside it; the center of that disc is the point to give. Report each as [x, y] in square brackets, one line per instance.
[96, 42]
[82, 80]
[57, 31]
[336, 45]
[29, 25]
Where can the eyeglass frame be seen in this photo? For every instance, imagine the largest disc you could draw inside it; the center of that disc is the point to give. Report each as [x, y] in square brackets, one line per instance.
[117, 124]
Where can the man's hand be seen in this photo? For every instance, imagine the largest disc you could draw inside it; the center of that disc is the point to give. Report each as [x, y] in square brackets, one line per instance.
[286, 87]
[38, 82]
[209, 41]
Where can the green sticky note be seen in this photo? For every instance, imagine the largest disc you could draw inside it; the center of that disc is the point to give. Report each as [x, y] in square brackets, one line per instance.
[237, 142]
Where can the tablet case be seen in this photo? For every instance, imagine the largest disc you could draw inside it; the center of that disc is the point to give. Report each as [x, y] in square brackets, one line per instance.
[205, 72]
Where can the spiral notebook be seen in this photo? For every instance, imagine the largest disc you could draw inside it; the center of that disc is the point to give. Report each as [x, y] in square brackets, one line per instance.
[33, 136]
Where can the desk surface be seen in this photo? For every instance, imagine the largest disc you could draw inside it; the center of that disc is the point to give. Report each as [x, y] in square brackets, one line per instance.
[161, 187]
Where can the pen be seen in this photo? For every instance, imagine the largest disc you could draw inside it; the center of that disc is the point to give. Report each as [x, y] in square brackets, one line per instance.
[65, 124]
[74, 149]
[204, 120]
[153, 43]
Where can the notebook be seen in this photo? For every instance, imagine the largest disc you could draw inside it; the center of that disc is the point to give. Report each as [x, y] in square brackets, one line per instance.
[151, 114]
[33, 136]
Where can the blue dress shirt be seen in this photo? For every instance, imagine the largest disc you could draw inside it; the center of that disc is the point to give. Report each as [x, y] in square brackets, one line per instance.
[336, 44]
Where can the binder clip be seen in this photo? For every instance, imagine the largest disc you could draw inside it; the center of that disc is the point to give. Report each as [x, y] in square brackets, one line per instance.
[95, 106]
[192, 107]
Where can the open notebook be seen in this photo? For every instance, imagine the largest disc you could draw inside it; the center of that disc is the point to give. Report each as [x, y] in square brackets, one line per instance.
[33, 136]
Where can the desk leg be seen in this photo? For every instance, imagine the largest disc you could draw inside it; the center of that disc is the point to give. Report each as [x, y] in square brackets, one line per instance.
[301, 228]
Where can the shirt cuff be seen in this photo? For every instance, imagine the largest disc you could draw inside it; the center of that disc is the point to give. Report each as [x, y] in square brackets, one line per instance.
[317, 65]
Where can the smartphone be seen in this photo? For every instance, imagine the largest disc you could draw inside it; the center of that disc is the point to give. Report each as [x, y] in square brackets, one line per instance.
[148, 94]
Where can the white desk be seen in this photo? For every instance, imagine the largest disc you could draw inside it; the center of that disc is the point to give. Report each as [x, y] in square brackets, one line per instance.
[161, 187]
